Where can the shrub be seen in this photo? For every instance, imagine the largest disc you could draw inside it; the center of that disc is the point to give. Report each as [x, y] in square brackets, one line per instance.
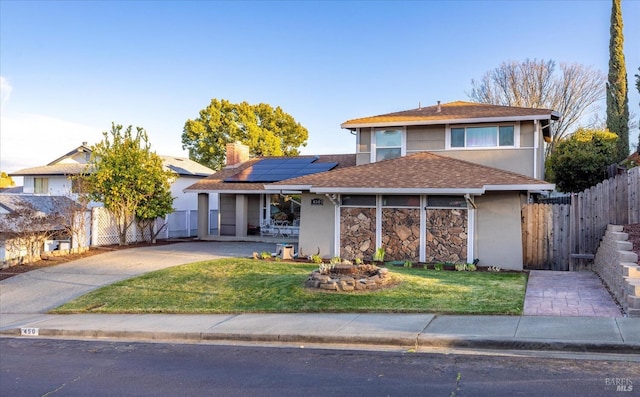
[265, 255]
[379, 255]
[438, 266]
[461, 267]
[316, 259]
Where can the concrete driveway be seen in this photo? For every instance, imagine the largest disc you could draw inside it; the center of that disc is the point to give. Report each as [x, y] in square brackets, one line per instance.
[39, 291]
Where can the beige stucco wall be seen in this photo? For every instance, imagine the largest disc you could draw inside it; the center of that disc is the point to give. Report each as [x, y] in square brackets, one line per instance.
[498, 238]
[514, 160]
[227, 214]
[425, 138]
[433, 139]
[317, 226]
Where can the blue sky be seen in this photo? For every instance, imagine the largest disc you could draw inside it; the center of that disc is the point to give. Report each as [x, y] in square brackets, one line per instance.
[68, 69]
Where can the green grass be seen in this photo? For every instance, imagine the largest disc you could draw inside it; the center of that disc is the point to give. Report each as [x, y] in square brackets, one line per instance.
[254, 286]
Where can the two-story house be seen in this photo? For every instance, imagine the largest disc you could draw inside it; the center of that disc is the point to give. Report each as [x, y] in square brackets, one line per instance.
[433, 184]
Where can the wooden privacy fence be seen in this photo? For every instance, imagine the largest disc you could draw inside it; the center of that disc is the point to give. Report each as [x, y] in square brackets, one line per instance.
[554, 236]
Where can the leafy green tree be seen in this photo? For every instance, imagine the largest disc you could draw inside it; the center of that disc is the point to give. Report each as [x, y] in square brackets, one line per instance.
[156, 206]
[124, 175]
[266, 130]
[572, 91]
[580, 161]
[617, 90]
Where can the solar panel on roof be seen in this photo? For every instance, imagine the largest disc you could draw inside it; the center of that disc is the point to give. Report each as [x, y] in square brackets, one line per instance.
[275, 170]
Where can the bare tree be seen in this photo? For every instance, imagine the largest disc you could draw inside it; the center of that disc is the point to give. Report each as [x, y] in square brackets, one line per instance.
[573, 92]
[26, 229]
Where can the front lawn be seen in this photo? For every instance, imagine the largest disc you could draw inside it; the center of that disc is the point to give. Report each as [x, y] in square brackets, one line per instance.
[254, 286]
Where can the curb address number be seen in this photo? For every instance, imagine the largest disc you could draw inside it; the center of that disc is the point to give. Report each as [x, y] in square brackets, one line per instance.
[29, 331]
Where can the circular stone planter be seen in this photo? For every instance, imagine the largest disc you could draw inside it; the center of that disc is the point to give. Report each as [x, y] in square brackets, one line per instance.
[347, 278]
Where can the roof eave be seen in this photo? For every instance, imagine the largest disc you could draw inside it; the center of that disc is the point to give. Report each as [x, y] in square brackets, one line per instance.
[369, 190]
[288, 187]
[350, 126]
[527, 187]
[238, 191]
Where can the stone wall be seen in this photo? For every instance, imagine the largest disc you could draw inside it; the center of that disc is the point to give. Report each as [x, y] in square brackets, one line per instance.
[617, 265]
[357, 233]
[446, 235]
[401, 234]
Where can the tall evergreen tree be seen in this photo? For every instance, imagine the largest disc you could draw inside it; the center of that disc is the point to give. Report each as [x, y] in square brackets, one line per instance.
[617, 90]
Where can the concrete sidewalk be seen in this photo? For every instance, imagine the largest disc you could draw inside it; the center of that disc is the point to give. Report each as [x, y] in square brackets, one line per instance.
[24, 300]
[416, 331]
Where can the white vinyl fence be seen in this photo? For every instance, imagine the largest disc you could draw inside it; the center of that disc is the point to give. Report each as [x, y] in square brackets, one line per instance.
[179, 224]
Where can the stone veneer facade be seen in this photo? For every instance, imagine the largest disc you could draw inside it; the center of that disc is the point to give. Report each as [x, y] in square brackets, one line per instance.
[446, 238]
[357, 233]
[401, 233]
[446, 235]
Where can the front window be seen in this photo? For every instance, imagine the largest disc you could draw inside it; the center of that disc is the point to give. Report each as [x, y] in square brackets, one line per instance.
[41, 185]
[401, 201]
[388, 144]
[358, 200]
[482, 137]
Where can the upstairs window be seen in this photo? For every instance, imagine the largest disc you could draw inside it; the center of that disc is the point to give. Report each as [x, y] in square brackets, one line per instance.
[388, 143]
[483, 137]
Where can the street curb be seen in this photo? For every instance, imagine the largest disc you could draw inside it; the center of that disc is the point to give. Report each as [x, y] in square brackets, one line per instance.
[409, 342]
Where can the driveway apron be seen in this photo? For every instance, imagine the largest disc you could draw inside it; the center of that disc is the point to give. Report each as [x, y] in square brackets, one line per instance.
[580, 293]
[39, 291]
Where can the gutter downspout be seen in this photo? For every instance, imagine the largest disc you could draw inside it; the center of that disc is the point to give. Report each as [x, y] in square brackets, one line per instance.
[536, 136]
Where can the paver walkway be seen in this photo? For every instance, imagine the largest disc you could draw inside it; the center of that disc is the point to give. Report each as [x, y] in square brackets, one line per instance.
[553, 293]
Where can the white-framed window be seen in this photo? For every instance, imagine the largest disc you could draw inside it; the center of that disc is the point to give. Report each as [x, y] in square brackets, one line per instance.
[40, 185]
[486, 136]
[389, 143]
[358, 200]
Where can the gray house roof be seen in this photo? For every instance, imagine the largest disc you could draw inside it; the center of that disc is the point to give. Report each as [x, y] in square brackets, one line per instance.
[45, 204]
[185, 167]
[180, 165]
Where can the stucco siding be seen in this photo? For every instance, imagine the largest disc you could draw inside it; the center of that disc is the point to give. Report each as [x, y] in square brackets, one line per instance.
[514, 160]
[526, 134]
[363, 158]
[227, 214]
[425, 138]
[498, 239]
[317, 226]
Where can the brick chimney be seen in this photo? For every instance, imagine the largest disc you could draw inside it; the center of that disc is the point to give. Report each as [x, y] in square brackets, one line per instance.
[237, 153]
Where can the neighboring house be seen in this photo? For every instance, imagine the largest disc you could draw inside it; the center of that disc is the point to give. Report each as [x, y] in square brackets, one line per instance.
[54, 179]
[443, 183]
[46, 205]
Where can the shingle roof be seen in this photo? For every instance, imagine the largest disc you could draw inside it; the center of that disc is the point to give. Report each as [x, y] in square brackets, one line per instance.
[185, 167]
[45, 204]
[420, 172]
[451, 112]
[216, 182]
[180, 165]
[54, 169]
